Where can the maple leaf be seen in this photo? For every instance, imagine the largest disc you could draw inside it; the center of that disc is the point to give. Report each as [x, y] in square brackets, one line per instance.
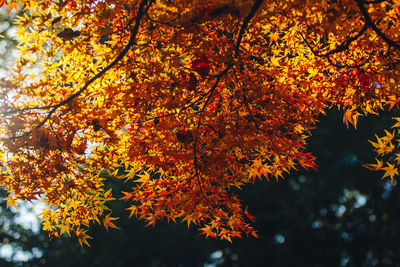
[246, 213]
[82, 237]
[397, 124]
[351, 116]
[107, 195]
[134, 211]
[11, 6]
[11, 201]
[275, 61]
[390, 171]
[189, 219]
[65, 229]
[48, 226]
[389, 136]
[143, 178]
[208, 231]
[375, 167]
[274, 37]
[382, 146]
[107, 222]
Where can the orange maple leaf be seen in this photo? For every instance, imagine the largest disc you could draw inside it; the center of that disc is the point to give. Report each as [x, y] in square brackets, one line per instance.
[107, 222]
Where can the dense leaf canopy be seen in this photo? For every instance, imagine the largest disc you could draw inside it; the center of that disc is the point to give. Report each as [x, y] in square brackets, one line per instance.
[190, 99]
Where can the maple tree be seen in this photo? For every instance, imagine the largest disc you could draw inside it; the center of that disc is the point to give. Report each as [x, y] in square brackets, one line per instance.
[190, 99]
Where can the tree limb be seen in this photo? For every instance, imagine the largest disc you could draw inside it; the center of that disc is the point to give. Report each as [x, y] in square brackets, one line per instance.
[246, 21]
[371, 24]
[134, 31]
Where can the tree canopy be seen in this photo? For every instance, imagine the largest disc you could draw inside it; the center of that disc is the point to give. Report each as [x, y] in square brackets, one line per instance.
[190, 99]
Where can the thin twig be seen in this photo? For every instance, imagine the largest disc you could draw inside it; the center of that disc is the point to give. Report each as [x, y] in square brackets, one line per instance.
[340, 48]
[10, 112]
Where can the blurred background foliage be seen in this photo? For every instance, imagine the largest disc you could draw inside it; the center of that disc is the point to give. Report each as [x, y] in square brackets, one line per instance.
[8, 43]
[341, 215]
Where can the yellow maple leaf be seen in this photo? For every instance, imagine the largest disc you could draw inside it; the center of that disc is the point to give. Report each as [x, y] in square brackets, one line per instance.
[82, 237]
[133, 210]
[351, 116]
[143, 178]
[108, 195]
[64, 229]
[382, 147]
[390, 171]
[375, 167]
[11, 201]
[275, 61]
[389, 136]
[397, 124]
[131, 173]
[47, 226]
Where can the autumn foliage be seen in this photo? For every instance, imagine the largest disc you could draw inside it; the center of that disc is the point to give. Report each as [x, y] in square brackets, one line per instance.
[189, 99]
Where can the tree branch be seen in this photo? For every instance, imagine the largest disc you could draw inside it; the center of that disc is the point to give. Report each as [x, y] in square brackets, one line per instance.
[340, 48]
[131, 41]
[246, 21]
[10, 112]
[371, 24]
[373, 2]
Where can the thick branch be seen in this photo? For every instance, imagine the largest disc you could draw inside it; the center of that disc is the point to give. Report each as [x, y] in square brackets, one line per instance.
[246, 21]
